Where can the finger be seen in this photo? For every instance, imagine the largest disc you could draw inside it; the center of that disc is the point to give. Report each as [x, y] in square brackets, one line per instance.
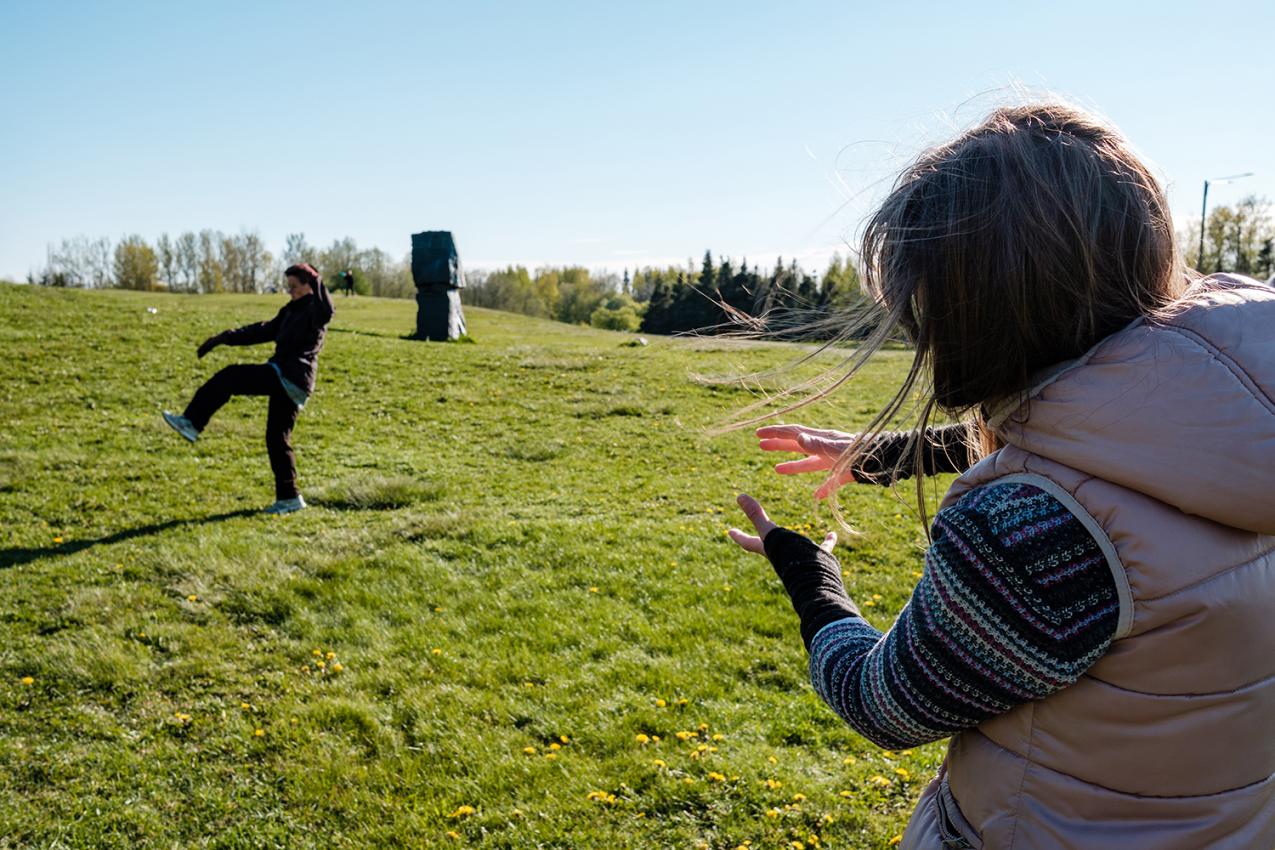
[829, 541]
[812, 444]
[814, 463]
[756, 513]
[747, 542]
[792, 432]
[774, 445]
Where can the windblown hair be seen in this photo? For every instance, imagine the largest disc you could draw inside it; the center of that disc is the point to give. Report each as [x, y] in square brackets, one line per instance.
[305, 273]
[1017, 245]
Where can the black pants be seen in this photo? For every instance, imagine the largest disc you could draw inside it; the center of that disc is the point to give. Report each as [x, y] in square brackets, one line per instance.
[261, 379]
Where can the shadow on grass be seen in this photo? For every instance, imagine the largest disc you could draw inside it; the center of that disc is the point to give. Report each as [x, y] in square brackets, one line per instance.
[23, 555]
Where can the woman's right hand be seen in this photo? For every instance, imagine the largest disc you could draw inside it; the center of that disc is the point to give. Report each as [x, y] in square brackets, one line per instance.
[822, 448]
[208, 345]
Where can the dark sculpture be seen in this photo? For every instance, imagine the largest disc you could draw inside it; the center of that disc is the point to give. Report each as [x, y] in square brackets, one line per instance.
[438, 276]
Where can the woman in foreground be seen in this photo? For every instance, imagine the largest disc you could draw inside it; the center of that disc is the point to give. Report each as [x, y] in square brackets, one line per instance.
[1093, 624]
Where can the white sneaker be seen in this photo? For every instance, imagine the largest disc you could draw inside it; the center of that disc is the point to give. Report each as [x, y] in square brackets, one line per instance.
[286, 506]
[182, 426]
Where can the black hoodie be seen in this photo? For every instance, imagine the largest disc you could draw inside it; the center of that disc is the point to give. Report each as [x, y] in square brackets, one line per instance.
[297, 332]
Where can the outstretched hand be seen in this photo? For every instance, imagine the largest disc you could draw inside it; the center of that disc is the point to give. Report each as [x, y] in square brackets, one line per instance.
[822, 448]
[208, 345]
[763, 525]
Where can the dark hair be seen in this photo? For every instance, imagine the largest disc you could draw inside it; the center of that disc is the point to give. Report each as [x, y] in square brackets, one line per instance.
[305, 273]
[1019, 244]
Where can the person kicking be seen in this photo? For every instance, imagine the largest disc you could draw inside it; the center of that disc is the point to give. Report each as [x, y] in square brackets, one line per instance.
[286, 379]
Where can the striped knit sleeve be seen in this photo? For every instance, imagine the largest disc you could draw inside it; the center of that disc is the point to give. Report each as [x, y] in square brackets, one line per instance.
[1016, 602]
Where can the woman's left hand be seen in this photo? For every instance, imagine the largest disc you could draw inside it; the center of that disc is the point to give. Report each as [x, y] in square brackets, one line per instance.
[763, 525]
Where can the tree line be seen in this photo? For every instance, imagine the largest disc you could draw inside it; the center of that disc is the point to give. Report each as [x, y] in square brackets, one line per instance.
[785, 301]
[211, 261]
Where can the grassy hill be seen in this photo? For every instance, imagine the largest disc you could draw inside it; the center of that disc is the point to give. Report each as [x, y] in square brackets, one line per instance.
[514, 578]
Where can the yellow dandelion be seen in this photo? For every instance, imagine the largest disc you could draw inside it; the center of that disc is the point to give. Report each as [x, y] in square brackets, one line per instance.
[688, 781]
[593, 589]
[716, 777]
[655, 738]
[849, 760]
[641, 738]
[244, 706]
[719, 737]
[27, 680]
[564, 739]
[338, 667]
[703, 727]
[259, 733]
[903, 773]
[192, 598]
[876, 597]
[846, 794]
[772, 759]
[437, 610]
[797, 845]
[772, 813]
[898, 839]
[555, 746]
[331, 655]
[462, 811]
[878, 779]
[797, 798]
[550, 756]
[658, 763]
[659, 703]
[317, 652]
[436, 651]
[453, 834]
[531, 751]
[772, 784]
[683, 735]
[57, 539]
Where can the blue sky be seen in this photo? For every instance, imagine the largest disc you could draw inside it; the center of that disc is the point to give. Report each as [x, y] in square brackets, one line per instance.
[595, 133]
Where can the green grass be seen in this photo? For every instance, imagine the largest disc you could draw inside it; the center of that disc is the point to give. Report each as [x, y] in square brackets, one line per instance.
[513, 544]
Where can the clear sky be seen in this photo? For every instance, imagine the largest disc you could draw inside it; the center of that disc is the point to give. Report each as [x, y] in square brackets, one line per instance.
[608, 134]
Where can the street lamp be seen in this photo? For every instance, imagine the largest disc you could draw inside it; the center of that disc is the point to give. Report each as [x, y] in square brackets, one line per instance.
[1204, 207]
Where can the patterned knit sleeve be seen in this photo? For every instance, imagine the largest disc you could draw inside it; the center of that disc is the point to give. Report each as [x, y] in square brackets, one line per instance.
[1016, 602]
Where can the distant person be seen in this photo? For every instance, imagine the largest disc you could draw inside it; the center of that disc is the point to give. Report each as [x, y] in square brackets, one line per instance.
[286, 379]
[347, 282]
[1093, 624]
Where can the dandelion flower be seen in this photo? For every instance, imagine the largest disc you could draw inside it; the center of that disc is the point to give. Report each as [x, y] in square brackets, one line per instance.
[192, 598]
[846, 794]
[453, 834]
[436, 651]
[658, 763]
[797, 798]
[593, 589]
[716, 777]
[659, 703]
[772, 813]
[317, 652]
[564, 739]
[245, 706]
[555, 746]
[57, 539]
[338, 667]
[642, 739]
[903, 773]
[27, 680]
[850, 760]
[550, 756]
[719, 737]
[331, 655]
[462, 811]
[898, 839]
[259, 733]
[531, 751]
[688, 781]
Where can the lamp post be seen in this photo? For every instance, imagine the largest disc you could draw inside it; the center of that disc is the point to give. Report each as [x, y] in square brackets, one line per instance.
[1204, 209]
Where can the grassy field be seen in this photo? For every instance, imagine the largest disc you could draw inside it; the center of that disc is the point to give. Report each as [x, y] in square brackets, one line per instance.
[511, 619]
